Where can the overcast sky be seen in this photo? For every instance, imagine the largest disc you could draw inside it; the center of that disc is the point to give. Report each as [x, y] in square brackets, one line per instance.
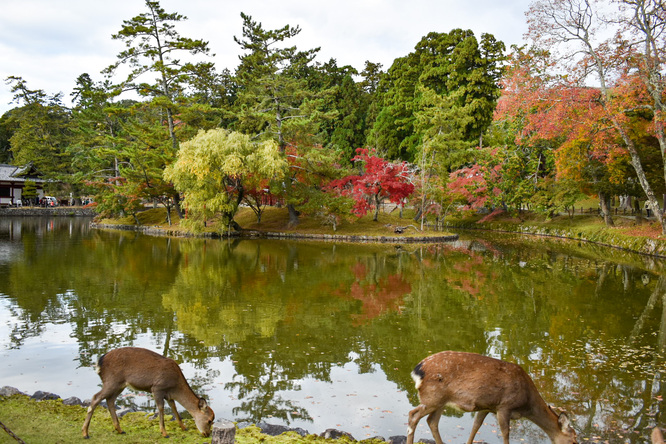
[51, 42]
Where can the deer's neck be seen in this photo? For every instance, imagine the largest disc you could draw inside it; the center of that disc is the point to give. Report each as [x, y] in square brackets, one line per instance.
[543, 416]
[186, 397]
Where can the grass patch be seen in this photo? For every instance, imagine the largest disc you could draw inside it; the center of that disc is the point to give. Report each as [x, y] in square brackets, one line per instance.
[53, 422]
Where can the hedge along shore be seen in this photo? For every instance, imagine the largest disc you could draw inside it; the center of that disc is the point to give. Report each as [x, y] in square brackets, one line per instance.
[602, 236]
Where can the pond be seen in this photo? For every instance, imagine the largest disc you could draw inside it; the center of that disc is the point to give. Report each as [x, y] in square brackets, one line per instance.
[324, 335]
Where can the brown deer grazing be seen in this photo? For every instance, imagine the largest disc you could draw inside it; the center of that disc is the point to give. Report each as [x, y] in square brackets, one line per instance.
[147, 371]
[657, 437]
[476, 383]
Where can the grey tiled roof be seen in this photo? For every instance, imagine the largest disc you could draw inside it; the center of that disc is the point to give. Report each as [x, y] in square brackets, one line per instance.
[15, 173]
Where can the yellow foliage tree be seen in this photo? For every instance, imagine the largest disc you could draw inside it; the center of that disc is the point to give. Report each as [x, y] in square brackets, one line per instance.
[211, 168]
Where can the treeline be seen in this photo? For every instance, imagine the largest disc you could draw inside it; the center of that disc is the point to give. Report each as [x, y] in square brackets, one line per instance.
[457, 123]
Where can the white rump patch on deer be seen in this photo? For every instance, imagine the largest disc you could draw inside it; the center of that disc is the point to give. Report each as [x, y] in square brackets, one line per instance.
[417, 380]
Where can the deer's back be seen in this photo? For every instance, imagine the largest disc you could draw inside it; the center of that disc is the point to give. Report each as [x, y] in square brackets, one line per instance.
[473, 382]
[139, 368]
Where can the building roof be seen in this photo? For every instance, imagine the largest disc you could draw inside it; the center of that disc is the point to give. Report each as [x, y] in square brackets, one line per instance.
[13, 173]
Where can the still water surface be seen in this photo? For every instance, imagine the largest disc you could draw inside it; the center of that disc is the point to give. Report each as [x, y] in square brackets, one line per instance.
[325, 335]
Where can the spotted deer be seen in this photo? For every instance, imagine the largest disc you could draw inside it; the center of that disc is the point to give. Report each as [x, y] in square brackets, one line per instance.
[147, 371]
[476, 383]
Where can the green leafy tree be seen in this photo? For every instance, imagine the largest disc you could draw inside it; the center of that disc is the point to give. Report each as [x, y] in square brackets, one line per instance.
[211, 170]
[95, 149]
[344, 103]
[271, 94]
[7, 128]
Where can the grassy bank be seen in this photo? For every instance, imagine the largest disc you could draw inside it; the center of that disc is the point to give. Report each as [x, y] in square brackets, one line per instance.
[628, 234]
[52, 422]
[276, 220]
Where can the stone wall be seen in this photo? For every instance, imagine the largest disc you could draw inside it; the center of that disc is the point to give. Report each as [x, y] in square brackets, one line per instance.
[49, 211]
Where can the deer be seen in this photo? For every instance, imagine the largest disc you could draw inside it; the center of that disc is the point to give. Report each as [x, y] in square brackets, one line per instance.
[657, 436]
[147, 371]
[475, 383]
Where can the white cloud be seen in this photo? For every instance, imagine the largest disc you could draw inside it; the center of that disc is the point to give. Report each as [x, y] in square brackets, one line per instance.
[51, 42]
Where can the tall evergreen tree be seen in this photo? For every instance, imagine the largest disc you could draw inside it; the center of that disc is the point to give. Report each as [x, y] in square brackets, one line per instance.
[273, 94]
[451, 73]
[154, 48]
[274, 101]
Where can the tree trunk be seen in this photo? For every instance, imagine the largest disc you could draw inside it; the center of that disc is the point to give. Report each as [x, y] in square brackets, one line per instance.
[377, 204]
[605, 204]
[642, 177]
[293, 215]
[176, 204]
[638, 211]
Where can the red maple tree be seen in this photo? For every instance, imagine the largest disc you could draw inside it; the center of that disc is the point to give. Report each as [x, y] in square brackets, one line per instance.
[380, 180]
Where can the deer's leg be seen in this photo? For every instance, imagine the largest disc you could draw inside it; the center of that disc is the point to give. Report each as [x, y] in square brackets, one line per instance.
[159, 401]
[504, 419]
[478, 422]
[414, 418]
[111, 405]
[172, 404]
[433, 423]
[96, 399]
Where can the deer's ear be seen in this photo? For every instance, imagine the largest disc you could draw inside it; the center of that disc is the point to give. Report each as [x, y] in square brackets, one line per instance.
[203, 405]
[563, 421]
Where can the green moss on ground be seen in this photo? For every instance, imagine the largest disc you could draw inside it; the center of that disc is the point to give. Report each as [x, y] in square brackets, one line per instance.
[53, 422]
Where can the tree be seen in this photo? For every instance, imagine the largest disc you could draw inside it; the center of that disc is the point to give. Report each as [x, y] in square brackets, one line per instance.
[379, 180]
[154, 47]
[41, 130]
[311, 169]
[345, 105]
[453, 73]
[625, 69]
[211, 171]
[273, 98]
[96, 130]
[29, 192]
[563, 124]
[7, 128]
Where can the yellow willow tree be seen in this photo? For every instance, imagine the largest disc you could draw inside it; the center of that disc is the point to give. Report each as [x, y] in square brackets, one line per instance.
[212, 168]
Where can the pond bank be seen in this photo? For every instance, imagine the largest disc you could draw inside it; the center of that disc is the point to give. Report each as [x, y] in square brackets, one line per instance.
[255, 234]
[600, 235]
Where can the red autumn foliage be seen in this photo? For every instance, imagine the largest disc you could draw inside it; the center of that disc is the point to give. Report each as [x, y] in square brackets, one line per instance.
[472, 185]
[380, 180]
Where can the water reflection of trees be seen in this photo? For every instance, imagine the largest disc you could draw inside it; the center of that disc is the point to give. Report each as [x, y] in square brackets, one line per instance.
[590, 331]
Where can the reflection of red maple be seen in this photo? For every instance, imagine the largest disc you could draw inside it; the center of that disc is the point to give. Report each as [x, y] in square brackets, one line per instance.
[377, 298]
